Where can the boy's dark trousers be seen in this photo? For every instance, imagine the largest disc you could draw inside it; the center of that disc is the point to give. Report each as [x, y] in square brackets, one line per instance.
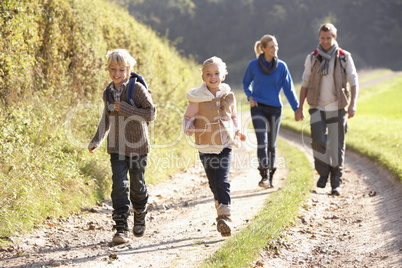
[125, 190]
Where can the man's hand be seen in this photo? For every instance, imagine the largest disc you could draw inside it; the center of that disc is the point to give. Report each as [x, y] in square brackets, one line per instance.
[351, 110]
[299, 114]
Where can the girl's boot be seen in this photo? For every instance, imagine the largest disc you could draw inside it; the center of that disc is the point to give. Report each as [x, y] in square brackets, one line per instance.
[223, 220]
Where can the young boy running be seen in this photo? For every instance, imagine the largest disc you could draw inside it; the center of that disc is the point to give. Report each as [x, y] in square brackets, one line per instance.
[124, 123]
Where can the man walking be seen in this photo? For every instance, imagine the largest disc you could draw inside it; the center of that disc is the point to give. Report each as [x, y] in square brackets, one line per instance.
[324, 83]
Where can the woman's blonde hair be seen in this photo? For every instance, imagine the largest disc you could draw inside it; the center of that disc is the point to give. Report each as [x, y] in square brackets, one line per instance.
[263, 42]
[218, 61]
[120, 56]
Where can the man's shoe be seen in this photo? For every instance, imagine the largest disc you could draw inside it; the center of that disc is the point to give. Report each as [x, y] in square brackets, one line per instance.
[336, 191]
[139, 222]
[223, 225]
[322, 181]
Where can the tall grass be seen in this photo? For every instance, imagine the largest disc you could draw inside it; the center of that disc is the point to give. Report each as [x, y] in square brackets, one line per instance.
[50, 104]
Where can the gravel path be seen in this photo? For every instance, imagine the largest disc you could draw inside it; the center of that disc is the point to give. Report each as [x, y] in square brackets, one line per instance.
[361, 228]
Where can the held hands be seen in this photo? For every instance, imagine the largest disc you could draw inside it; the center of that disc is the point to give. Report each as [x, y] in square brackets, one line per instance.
[299, 114]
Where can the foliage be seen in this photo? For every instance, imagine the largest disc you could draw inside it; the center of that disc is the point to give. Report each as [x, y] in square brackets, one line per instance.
[371, 30]
[52, 76]
[281, 209]
[40, 173]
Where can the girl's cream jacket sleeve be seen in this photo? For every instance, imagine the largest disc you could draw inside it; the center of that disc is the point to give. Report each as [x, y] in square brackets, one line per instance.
[189, 118]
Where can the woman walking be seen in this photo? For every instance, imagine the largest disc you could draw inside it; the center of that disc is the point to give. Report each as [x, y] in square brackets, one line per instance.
[263, 81]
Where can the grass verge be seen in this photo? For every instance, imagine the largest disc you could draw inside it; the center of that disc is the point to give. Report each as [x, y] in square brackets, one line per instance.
[279, 212]
[375, 131]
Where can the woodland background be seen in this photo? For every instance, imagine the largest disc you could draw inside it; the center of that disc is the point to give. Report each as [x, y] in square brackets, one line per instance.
[370, 29]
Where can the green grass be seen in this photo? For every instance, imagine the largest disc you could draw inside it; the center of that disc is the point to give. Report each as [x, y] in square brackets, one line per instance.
[41, 174]
[50, 106]
[376, 129]
[372, 74]
[279, 212]
[241, 100]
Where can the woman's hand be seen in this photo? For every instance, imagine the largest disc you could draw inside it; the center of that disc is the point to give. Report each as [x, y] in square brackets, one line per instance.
[252, 102]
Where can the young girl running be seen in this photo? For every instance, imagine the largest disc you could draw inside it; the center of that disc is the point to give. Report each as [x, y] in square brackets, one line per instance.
[211, 115]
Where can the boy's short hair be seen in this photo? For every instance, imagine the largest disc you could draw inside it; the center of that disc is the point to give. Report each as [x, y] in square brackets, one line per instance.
[120, 56]
[328, 27]
[218, 61]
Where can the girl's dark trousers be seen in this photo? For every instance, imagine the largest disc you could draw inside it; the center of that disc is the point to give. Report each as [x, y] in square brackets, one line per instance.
[217, 168]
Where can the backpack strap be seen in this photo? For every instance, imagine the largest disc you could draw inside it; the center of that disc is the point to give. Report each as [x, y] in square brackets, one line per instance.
[134, 77]
[130, 91]
[313, 56]
[109, 104]
[342, 59]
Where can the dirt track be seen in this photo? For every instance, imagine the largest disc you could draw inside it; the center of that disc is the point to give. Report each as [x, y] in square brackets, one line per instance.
[362, 228]
[181, 229]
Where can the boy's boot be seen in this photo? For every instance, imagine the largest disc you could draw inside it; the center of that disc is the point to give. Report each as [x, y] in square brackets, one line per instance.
[223, 220]
[122, 232]
[264, 178]
[139, 222]
[271, 176]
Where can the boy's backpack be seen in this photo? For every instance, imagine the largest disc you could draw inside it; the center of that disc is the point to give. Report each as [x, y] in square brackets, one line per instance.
[134, 77]
[342, 58]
